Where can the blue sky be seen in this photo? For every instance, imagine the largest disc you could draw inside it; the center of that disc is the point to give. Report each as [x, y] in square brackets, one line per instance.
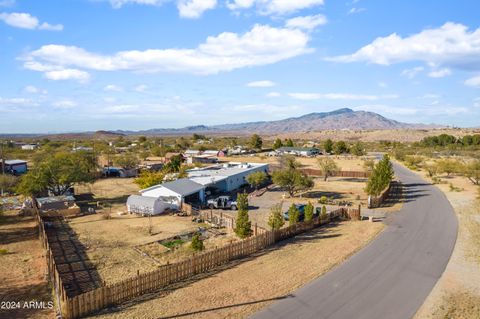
[82, 65]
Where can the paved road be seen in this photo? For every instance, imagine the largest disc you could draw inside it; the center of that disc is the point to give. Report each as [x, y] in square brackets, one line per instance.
[393, 275]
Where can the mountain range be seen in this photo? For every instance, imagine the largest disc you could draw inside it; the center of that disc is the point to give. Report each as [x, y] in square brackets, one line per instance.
[341, 119]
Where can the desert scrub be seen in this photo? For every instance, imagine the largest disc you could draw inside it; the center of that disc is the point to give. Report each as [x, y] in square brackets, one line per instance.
[3, 251]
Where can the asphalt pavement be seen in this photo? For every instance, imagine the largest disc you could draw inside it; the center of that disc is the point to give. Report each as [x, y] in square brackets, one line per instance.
[392, 276]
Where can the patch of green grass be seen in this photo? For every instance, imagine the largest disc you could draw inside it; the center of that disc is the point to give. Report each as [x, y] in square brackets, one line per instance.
[173, 243]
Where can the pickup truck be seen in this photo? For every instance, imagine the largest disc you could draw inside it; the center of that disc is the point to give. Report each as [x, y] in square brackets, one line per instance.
[222, 202]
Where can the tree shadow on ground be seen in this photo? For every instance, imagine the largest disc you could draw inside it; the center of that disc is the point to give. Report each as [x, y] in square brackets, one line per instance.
[17, 234]
[319, 194]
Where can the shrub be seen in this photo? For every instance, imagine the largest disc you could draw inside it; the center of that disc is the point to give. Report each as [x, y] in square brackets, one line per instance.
[309, 212]
[323, 215]
[275, 220]
[323, 200]
[293, 215]
[3, 251]
[243, 226]
[197, 243]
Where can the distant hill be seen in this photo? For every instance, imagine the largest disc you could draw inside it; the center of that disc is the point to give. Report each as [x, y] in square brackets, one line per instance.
[336, 120]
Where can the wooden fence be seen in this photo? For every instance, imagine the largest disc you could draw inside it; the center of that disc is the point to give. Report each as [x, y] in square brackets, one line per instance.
[116, 293]
[351, 174]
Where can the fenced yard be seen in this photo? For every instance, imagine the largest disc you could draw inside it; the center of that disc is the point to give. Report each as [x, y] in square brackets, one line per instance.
[111, 294]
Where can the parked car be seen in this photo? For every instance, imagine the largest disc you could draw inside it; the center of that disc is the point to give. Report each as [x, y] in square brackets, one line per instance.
[222, 202]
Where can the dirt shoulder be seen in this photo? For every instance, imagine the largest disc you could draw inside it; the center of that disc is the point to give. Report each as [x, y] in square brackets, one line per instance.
[457, 293]
[22, 268]
[244, 288]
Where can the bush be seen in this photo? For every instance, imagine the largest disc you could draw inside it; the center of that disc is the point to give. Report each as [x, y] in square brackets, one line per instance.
[275, 220]
[309, 212]
[323, 200]
[293, 215]
[3, 251]
[243, 226]
[323, 215]
[197, 243]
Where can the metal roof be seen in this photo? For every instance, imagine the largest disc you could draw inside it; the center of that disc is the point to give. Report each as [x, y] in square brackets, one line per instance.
[15, 162]
[297, 149]
[183, 187]
[137, 200]
[55, 199]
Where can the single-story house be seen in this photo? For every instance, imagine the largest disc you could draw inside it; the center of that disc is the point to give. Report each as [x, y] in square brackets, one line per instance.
[29, 147]
[298, 151]
[177, 192]
[225, 177]
[146, 205]
[15, 167]
[202, 158]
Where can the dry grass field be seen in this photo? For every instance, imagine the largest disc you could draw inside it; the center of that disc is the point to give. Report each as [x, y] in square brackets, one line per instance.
[244, 287]
[110, 242]
[22, 266]
[457, 293]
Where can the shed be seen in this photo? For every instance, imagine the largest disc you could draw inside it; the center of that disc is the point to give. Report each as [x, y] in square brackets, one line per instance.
[15, 167]
[146, 205]
[56, 202]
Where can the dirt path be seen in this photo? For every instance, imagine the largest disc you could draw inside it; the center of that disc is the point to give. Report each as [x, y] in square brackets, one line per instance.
[246, 287]
[22, 268]
[457, 293]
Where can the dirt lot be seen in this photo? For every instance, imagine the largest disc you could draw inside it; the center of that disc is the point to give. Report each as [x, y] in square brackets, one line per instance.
[109, 188]
[245, 287]
[22, 266]
[345, 163]
[110, 242]
[457, 293]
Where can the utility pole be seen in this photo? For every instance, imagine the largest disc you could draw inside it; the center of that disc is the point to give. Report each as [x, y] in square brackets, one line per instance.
[3, 164]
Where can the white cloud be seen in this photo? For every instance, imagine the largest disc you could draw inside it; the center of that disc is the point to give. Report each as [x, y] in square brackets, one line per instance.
[112, 88]
[451, 45]
[261, 84]
[339, 96]
[474, 82]
[274, 7]
[50, 27]
[64, 104]
[16, 101]
[306, 22]
[356, 10]
[476, 102]
[194, 8]
[440, 73]
[141, 88]
[34, 90]
[120, 3]
[382, 84]
[227, 51]
[7, 3]
[411, 73]
[27, 21]
[67, 74]
[386, 109]
[273, 94]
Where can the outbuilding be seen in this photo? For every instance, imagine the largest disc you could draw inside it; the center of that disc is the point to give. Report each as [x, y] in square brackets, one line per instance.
[15, 167]
[146, 205]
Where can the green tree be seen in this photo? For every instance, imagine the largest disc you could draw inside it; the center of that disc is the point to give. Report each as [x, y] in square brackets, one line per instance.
[243, 226]
[340, 148]
[197, 242]
[328, 146]
[142, 139]
[173, 166]
[328, 167]
[127, 161]
[256, 142]
[309, 212]
[277, 144]
[368, 165]
[358, 149]
[289, 143]
[57, 173]
[275, 220]
[323, 215]
[256, 179]
[472, 171]
[288, 162]
[293, 180]
[381, 177]
[7, 183]
[148, 179]
[293, 215]
[449, 166]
